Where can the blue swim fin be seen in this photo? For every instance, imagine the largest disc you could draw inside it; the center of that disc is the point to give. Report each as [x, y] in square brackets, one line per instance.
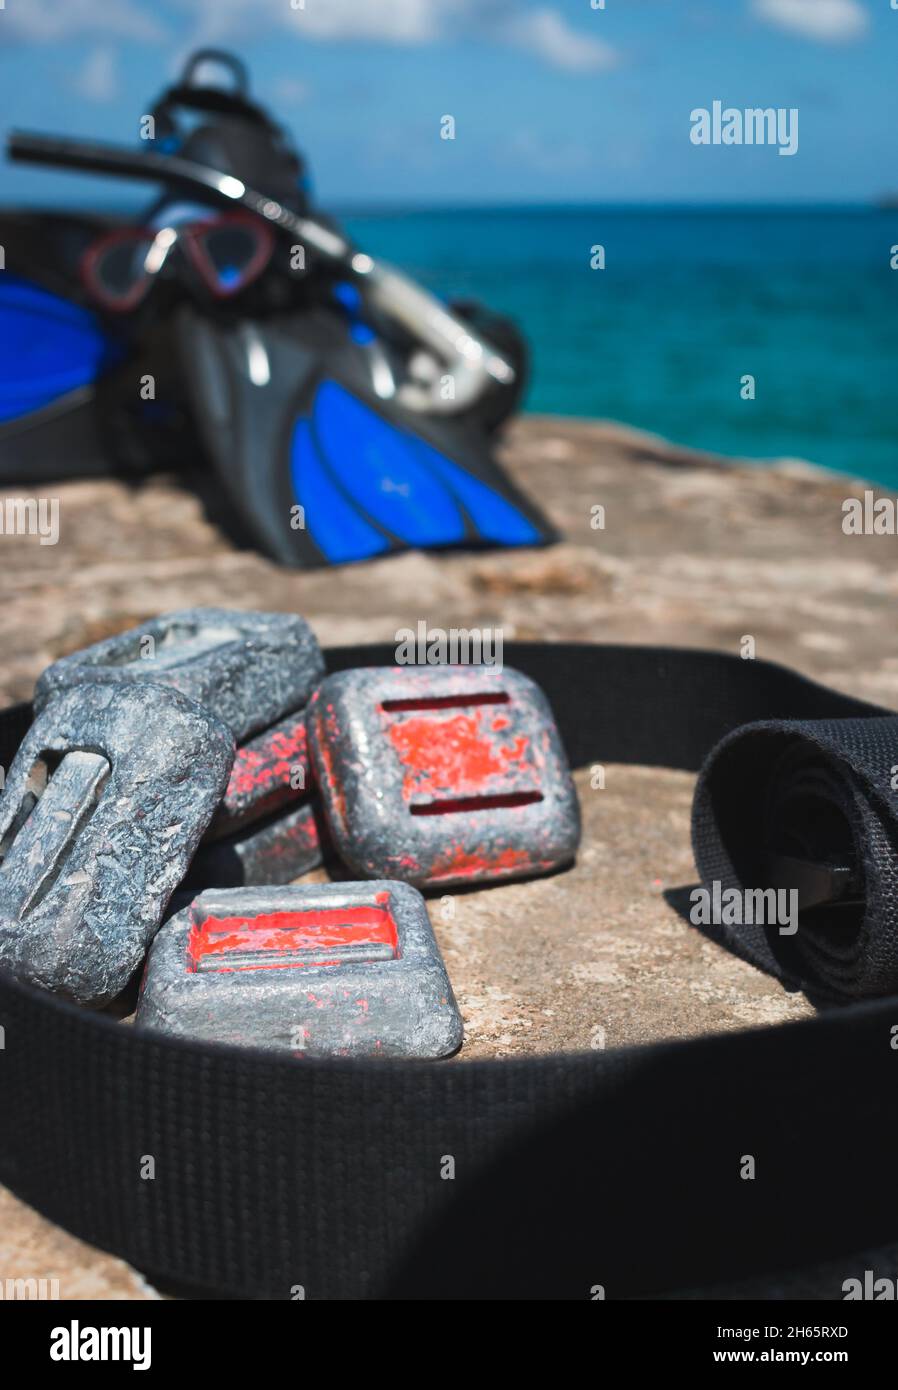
[52, 354]
[49, 348]
[317, 468]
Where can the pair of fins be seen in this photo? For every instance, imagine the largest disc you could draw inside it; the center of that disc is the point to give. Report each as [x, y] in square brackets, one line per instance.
[313, 468]
[318, 469]
[282, 406]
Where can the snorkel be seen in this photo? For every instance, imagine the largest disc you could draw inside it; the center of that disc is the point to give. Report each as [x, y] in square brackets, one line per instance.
[472, 364]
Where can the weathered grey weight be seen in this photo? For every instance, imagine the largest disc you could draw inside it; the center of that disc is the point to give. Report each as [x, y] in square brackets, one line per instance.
[105, 803]
[249, 668]
[338, 969]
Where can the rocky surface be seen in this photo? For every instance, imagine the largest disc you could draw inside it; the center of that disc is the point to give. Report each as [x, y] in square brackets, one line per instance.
[695, 551]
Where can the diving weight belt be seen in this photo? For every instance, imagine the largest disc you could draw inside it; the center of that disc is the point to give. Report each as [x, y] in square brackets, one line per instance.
[618, 1168]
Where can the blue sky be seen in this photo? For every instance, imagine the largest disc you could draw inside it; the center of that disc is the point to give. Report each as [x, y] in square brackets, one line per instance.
[554, 100]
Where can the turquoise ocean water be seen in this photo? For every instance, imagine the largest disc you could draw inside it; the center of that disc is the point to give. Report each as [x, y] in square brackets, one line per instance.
[689, 302]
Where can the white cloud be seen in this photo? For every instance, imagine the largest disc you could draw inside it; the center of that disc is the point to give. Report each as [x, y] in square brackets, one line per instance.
[546, 34]
[542, 31]
[49, 21]
[224, 21]
[538, 29]
[831, 21]
[391, 21]
[97, 79]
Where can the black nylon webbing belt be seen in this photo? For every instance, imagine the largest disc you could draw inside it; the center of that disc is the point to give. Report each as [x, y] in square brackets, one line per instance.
[613, 1168]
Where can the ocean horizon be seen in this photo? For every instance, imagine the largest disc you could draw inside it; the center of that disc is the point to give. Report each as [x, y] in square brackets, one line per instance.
[692, 300]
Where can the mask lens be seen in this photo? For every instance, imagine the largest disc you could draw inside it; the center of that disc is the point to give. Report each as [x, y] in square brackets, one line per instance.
[232, 255]
[119, 271]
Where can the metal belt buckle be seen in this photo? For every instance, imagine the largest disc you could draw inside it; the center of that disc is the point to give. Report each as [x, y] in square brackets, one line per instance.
[105, 803]
[442, 775]
[340, 969]
[251, 669]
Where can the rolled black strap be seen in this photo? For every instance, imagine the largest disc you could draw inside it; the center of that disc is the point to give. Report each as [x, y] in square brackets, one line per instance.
[821, 792]
[571, 1172]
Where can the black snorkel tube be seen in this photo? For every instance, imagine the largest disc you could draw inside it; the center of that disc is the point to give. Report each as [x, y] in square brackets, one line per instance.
[473, 364]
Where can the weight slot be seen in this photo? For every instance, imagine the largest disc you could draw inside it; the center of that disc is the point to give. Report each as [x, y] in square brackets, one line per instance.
[288, 940]
[179, 643]
[459, 805]
[269, 958]
[61, 796]
[427, 702]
